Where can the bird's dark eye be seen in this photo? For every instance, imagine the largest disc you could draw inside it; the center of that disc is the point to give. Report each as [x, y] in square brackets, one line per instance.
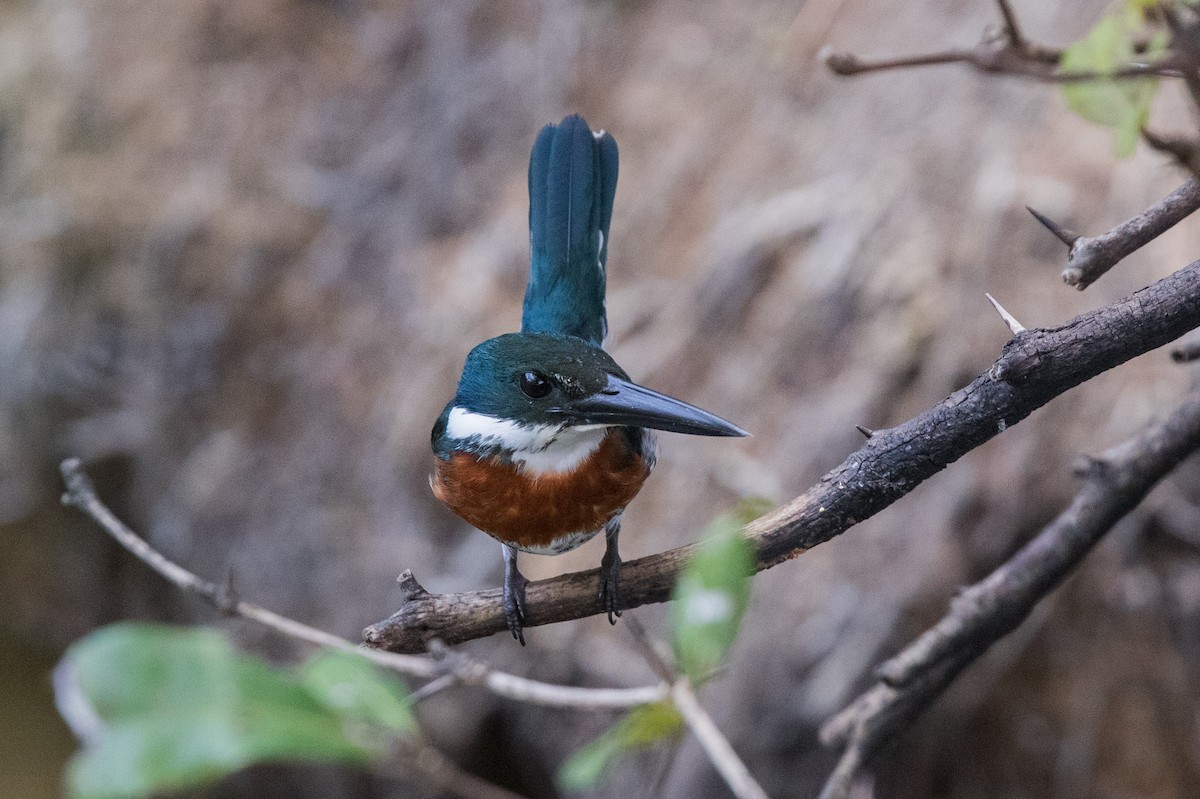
[534, 385]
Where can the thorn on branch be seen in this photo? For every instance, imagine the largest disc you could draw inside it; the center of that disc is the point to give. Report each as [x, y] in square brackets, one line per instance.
[995, 606]
[866, 431]
[1063, 234]
[1014, 326]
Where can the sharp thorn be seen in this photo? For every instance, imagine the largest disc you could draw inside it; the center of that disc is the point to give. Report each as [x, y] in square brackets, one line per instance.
[866, 431]
[1013, 325]
[1063, 234]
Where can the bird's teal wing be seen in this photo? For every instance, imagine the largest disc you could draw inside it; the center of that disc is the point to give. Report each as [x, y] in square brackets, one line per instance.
[572, 182]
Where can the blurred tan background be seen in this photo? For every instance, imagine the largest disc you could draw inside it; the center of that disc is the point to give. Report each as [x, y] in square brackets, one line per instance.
[245, 246]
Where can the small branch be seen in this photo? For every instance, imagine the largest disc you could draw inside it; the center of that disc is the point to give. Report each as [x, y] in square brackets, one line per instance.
[716, 746]
[985, 612]
[1184, 44]
[1010, 321]
[1030, 61]
[1091, 257]
[82, 495]
[720, 752]
[1011, 29]
[1034, 367]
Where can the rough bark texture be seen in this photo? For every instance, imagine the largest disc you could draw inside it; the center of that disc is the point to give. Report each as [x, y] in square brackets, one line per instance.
[992, 608]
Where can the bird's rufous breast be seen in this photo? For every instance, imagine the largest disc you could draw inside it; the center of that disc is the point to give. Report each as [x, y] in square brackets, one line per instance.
[534, 512]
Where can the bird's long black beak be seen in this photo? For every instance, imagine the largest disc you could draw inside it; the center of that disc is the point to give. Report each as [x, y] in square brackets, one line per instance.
[623, 402]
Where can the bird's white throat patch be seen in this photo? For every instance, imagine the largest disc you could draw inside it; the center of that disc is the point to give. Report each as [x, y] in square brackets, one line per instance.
[537, 448]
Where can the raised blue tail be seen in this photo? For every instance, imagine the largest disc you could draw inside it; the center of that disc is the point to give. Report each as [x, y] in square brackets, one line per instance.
[572, 182]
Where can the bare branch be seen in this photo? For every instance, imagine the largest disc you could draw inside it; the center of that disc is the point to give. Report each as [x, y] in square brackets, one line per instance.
[1030, 61]
[1091, 257]
[1184, 44]
[716, 746]
[1014, 326]
[720, 752]
[1113, 485]
[1011, 29]
[1034, 367]
[82, 495]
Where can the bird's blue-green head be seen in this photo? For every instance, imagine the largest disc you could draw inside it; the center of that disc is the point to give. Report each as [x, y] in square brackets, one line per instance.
[519, 387]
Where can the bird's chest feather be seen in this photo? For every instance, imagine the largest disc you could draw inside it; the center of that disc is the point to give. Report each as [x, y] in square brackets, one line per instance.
[544, 512]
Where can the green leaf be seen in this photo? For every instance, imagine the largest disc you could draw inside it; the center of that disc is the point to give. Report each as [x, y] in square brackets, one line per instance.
[1123, 105]
[164, 708]
[642, 727]
[712, 592]
[354, 688]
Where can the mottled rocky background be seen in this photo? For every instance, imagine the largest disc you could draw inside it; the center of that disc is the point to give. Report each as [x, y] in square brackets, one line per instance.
[245, 245]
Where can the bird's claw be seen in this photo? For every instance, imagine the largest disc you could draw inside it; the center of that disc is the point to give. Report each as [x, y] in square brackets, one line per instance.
[610, 574]
[514, 604]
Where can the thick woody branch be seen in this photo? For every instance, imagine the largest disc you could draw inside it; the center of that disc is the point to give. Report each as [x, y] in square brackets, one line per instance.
[985, 612]
[1034, 367]
[1090, 257]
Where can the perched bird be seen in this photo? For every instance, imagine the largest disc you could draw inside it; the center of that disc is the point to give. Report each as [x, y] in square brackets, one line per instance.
[547, 439]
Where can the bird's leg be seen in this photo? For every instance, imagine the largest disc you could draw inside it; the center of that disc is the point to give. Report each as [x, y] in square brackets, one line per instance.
[514, 595]
[610, 570]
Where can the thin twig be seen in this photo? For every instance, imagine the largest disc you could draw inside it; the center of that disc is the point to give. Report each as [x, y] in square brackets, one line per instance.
[1184, 45]
[1090, 257]
[1011, 29]
[1113, 485]
[716, 746]
[82, 495]
[720, 752]
[1034, 367]
[1033, 62]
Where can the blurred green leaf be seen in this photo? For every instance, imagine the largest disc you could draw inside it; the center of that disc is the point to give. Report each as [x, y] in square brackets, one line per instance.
[354, 688]
[164, 708]
[712, 592]
[1123, 105]
[642, 727]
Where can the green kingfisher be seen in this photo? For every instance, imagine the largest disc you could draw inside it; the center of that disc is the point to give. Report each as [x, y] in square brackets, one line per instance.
[547, 439]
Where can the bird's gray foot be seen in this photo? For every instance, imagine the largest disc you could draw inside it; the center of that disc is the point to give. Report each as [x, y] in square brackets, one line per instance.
[514, 595]
[610, 572]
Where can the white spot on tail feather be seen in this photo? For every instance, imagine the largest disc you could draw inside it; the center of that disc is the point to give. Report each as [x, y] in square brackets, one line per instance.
[538, 449]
